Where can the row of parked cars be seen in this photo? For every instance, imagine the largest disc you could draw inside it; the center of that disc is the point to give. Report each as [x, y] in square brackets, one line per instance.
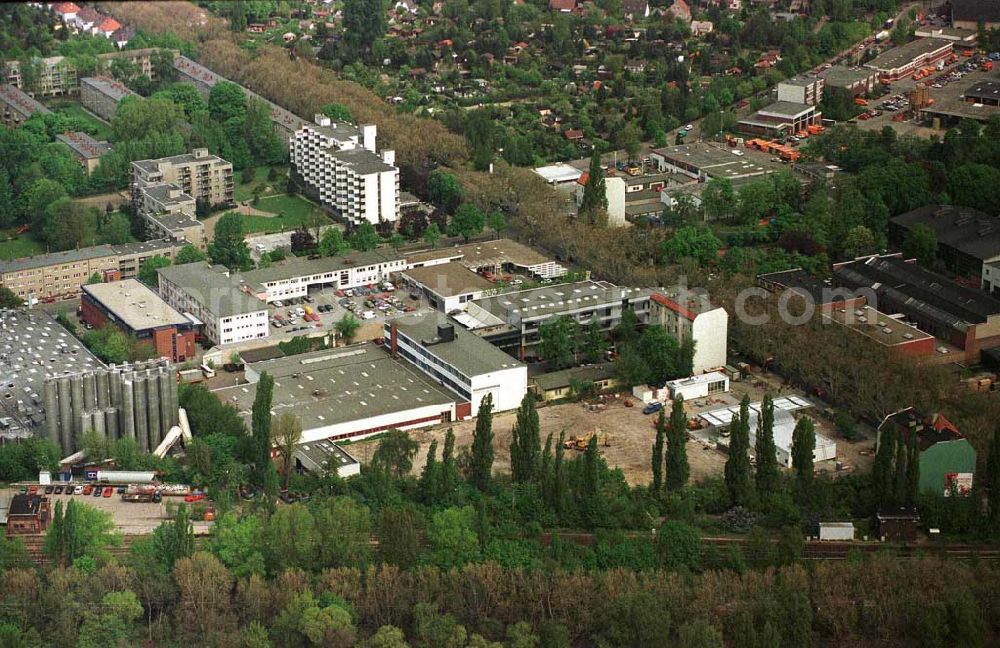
[70, 489]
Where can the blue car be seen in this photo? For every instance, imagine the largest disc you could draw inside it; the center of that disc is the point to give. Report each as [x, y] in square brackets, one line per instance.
[652, 408]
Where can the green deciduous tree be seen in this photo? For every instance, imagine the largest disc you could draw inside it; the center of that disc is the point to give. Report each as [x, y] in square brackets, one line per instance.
[395, 453]
[364, 238]
[444, 190]
[9, 299]
[677, 461]
[347, 327]
[229, 247]
[453, 537]
[480, 135]
[467, 222]
[286, 434]
[921, 244]
[481, 466]
[226, 101]
[432, 235]
[190, 254]
[691, 242]
[557, 337]
[332, 242]
[364, 24]
[174, 539]
[148, 270]
[678, 546]
[78, 530]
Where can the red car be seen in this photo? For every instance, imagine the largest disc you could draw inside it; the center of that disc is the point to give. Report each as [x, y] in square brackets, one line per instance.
[88, 489]
[32, 490]
[194, 498]
[108, 491]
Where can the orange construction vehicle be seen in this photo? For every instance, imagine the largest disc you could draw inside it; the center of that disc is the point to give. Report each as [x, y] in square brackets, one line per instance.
[987, 66]
[858, 101]
[815, 129]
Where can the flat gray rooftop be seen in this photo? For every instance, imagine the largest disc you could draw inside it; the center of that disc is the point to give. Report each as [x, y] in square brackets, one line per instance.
[448, 279]
[161, 193]
[475, 255]
[222, 295]
[362, 161]
[335, 386]
[898, 57]
[785, 109]
[298, 267]
[468, 353]
[56, 258]
[560, 298]
[719, 162]
[841, 76]
[145, 247]
[34, 346]
[83, 144]
[135, 304]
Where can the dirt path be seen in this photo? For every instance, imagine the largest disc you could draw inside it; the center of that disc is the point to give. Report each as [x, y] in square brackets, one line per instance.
[116, 198]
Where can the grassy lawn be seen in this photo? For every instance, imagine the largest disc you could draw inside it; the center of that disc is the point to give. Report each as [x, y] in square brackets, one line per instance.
[13, 246]
[74, 109]
[295, 209]
[244, 190]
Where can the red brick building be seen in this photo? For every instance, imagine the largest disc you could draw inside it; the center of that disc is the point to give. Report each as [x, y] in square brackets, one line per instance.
[138, 311]
[28, 514]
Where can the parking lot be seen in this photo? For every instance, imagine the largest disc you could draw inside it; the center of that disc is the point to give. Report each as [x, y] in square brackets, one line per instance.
[945, 87]
[370, 305]
[129, 517]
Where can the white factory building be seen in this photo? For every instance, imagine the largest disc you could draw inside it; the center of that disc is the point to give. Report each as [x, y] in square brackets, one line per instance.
[720, 420]
[209, 295]
[460, 361]
[297, 277]
[346, 393]
[339, 162]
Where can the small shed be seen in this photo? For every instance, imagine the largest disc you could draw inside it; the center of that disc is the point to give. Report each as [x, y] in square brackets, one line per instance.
[897, 524]
[698, 386]
[322, 456]
[836, 531]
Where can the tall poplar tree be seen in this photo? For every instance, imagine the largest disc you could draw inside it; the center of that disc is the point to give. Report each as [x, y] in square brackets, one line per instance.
[525, 441]
[678, 470]
[429, 484]
[882, 480]
[899, 481]
[803, 446]
[449, 477]
[260, 425]
[912, 471]
[594, 204]
[656, 463]
[558, 496]
[764, 450]
[737, 472]
[481, 470]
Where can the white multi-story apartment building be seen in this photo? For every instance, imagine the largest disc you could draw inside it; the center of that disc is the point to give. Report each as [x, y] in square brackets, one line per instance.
[296, 278]
[216, 299]
[339, 162]
[689, 314]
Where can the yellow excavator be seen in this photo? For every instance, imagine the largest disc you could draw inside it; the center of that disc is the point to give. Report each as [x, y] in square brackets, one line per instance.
[580, 443]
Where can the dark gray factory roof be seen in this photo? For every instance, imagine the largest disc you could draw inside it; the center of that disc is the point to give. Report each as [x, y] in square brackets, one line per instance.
[967, 230]
[976, 10]
[468, 353]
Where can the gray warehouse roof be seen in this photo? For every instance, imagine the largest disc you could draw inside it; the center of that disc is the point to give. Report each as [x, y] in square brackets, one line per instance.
[967, 230]
[135, 304]
[898, 57]
[362, 161]
[299, 267]
[560, 298]
[334, 386]
[468, 353]
[841, 76]
[108, 87]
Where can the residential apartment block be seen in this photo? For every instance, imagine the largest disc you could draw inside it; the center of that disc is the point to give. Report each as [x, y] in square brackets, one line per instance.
[338, 162]
[141, 58]
[85, 148]
[170, 213]
[49, 77]
[48, 277]
[101, 95]
[686, 314]
[17, 106]
[217, 299]
[802, 90]
[198, 174]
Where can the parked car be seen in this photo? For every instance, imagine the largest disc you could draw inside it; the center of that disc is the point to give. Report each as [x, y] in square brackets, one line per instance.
[652, 408]
[79, 489]
[97, 491]
[32, 490]
[279, 304]
[108, 491]
[122, 490]
[367, 315]
[58, 490]
[49, 489]
[194, 497]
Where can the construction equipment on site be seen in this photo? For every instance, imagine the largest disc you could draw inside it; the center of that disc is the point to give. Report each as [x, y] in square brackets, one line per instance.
[580, 443]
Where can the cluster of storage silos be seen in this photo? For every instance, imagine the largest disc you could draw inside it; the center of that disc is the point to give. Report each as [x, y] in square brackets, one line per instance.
[131, 400]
